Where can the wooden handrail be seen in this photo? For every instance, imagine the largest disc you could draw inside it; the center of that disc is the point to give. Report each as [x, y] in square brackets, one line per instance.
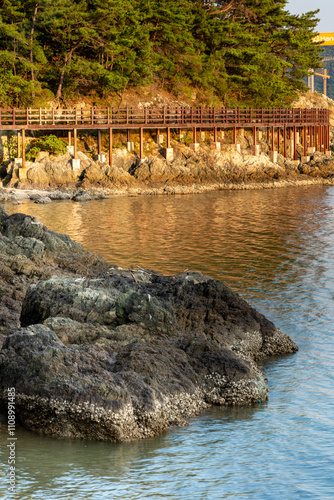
[129, 117]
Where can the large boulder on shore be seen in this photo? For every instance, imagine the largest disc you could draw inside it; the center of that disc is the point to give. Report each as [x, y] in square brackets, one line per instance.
[125, 354]
[30, 252]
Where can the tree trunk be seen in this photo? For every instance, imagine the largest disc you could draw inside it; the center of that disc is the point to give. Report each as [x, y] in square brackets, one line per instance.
[33, 21]
[62, 74]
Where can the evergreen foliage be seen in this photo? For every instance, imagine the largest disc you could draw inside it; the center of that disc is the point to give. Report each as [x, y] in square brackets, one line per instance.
[246, 52]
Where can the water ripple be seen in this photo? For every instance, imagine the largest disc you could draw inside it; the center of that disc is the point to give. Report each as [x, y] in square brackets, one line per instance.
[276, 248]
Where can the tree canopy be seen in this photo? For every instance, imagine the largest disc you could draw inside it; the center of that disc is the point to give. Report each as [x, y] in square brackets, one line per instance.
[241, 52]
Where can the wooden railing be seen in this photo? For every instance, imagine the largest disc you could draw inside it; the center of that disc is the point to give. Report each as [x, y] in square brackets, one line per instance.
[154, 117]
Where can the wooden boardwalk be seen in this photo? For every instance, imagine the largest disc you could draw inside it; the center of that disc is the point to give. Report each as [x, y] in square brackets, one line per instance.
[284, 127]
[184, 117]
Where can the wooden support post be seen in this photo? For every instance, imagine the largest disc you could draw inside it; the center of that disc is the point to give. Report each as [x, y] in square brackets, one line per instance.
[273, 138]
[255, 148]
[268, 134]
[75, 143]
[129, 135]
[311, 136]
[304, 141]
[194, 145]
[23, 148]
[110, 147]
[294, 142]
[321, 138]
[315, 138]
[327, 138]
[99, 149]
[214, 134]
[234, 135]
[18, 145]
[284, 141]
[278, 138]
[141, 143]
[168, 137]
[69, 138]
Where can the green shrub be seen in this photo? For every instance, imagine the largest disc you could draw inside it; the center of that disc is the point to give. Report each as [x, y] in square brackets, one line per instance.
[49, 143]
[11, 144]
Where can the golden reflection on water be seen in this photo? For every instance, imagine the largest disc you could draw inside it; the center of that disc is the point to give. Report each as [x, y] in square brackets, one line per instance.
[242, 237]
[74, 220]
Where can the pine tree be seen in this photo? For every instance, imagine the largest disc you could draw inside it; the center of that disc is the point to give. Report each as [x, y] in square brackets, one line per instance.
[242, 52]
[67, 29]
[16, 54]
[122, 45]
[267, 51]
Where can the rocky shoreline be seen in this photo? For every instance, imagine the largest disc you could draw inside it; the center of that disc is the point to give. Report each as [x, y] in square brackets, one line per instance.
[99, 352]
[44, 196]
[189, 172]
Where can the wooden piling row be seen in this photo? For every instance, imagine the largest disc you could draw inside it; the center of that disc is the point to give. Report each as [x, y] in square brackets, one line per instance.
[312, 137]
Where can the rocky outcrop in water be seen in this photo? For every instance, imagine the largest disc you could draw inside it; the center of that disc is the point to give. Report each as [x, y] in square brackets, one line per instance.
[30, 252]
[121, 354]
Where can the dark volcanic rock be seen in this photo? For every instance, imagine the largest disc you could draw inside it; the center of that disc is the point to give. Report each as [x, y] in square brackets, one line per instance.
[81, 196]
[125, 354]
[28, 252]
[121, 354]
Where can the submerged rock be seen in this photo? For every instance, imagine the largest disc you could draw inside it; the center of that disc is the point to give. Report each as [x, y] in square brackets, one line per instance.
[81, 196]
[123, 354]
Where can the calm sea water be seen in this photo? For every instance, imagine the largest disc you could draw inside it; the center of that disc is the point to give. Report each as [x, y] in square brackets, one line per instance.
[276, 248]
